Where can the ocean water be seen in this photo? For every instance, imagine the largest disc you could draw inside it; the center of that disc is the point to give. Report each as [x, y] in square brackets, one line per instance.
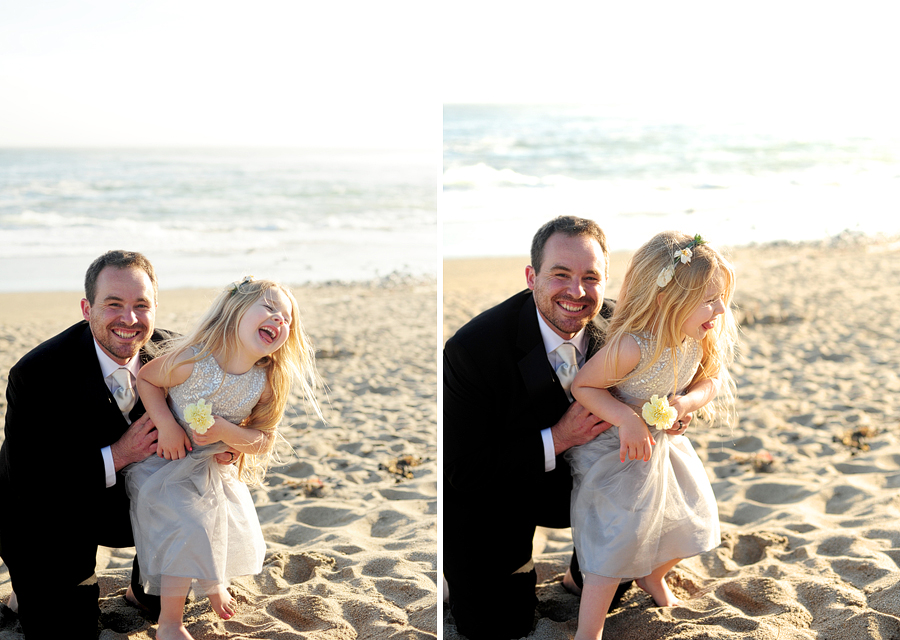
[509, 168]
[208, 217]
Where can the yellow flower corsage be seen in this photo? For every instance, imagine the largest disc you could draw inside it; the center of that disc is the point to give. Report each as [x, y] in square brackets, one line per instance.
[657, 413]
[198, 415]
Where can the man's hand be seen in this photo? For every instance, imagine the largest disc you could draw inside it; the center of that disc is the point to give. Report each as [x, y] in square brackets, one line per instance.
[227, 457]
[137, 443]
[681, 425]
[577, 426]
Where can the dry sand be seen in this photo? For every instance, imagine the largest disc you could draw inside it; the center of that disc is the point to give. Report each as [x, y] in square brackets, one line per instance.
[807, 481]
[351, 529]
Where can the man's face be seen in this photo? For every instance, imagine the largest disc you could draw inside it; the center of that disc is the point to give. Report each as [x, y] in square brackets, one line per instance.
[568, 290]
[123, 313]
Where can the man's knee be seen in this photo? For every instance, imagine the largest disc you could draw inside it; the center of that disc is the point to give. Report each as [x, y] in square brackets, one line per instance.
[74, 612]
[495, 608]
[151, 603]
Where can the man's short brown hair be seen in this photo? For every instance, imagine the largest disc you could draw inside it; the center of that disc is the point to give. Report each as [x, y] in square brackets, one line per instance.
[570, 226]
[120, 260]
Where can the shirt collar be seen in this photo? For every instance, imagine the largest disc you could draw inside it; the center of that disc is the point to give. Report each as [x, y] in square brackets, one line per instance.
[552, 339]
[108, 365]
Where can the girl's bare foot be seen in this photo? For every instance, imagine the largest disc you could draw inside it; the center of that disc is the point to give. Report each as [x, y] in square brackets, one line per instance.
[659, 590]
[172, 632]
[222, 603]
[13, 602]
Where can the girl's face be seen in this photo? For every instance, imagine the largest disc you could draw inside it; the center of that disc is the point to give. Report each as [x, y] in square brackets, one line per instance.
[265, 326]
[703, 319]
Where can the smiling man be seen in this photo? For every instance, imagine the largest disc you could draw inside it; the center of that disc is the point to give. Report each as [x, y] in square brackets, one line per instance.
[122, 316]
[508, 417]
[568, 276]
[72, 425]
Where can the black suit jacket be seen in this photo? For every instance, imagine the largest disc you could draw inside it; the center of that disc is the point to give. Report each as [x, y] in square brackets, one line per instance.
[59, 415]
[499, 393]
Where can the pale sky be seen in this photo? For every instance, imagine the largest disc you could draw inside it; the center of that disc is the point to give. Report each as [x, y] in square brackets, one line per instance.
[793, 62]
[356, 73]
[188, 72]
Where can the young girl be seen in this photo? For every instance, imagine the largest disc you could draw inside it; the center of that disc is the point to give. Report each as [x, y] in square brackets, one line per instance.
[227, 384]
[641, 500]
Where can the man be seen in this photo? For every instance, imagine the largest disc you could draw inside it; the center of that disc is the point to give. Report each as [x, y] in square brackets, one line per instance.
[73, 422]
[508, 420]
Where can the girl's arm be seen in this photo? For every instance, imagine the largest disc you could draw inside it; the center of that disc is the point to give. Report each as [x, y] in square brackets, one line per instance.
[697, 396]
[591, 389]
[152, 385]
[250, 441]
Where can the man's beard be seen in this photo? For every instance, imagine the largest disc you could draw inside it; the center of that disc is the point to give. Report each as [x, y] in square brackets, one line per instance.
[553, 315]
[122, 351]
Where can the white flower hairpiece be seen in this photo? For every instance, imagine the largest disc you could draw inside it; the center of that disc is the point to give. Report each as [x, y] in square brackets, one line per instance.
[235, 286]
[682, 256]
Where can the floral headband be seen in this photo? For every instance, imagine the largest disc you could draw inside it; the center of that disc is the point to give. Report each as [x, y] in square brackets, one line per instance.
[235, 286]
[682, 256]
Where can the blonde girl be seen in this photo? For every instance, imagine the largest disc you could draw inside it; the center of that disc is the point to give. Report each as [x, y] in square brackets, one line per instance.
[219, 391]
[641, 500]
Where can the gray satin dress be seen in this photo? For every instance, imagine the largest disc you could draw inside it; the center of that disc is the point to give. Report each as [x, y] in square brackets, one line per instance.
[628, 518]
[193, 517]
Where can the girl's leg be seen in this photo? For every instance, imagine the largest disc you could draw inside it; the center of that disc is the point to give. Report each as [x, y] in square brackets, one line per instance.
[655, 584]
[596, 596]
[219, 598]
[171, 615]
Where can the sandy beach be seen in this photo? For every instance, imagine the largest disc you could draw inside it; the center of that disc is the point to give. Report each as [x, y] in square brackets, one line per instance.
[350, 519]
[806, 481]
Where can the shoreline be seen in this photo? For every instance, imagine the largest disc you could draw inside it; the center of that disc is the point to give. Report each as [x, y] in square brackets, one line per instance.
[392, 279]
[471, 285]
[845, 239]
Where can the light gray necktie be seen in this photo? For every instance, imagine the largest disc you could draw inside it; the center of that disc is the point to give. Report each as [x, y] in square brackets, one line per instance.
[569, 367]
[124, 395]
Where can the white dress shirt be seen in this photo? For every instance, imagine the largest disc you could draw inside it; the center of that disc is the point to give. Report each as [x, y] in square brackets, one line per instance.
[108, 366]
[551, 341]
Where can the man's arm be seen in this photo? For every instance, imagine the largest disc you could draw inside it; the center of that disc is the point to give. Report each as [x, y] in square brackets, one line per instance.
[138, 443]
[478, 444]
[577, 426]
[35, 432]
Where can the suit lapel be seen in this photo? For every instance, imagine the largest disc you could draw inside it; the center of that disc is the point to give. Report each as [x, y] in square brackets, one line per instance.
[597, 327]
[110, 422]
[539, 378]
[595, 339]
[137, 411]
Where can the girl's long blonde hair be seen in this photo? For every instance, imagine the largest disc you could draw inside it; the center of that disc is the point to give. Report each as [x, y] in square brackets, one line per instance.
[293, 363]
[644, 306]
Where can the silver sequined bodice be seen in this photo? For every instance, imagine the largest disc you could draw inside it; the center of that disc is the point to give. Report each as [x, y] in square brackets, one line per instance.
[232, 399]
[660, 378]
